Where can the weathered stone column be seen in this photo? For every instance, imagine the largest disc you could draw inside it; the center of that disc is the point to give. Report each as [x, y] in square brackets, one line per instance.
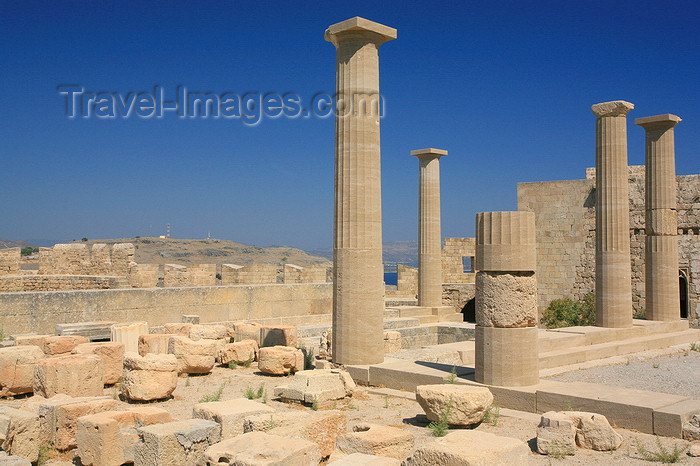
[613, 275]
[429, 236]
[661, 281]
[358, 274]
[506, 299]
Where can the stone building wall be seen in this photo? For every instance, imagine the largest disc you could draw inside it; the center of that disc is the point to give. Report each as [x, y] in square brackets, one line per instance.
[453, 252]
[9, 261]
[17, 283]
[79, 259]
[565, 223]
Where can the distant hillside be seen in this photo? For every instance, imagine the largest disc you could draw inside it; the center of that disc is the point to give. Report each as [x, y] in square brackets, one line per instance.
[394, 252]
[6, 243]
[152, 250]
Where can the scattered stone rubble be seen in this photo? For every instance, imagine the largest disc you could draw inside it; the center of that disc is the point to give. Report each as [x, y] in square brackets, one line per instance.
[559, 433]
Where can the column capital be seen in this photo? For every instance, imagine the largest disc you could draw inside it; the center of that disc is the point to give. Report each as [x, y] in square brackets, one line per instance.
[665, 121]
[429, 153]
[612, 109]
[359, 29]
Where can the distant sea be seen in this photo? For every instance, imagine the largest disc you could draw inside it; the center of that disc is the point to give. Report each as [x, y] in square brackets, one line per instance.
[390, 278]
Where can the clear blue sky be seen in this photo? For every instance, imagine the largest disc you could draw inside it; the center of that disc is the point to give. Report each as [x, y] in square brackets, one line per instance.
[505, 87]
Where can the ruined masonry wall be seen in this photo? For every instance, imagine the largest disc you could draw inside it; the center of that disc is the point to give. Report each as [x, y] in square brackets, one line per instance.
[9, 261]
[452, 266]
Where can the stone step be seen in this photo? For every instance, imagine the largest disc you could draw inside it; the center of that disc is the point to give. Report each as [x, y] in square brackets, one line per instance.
[443, 311]
[579, 354]
[411, 311]
[454, 317]
[307, 331]
[428, 319]
[392, 302]
[400, 322]
[390, 313]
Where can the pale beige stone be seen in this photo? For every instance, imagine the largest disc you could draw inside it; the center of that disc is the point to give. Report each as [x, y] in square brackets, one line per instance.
[556, 434]
[230, 414]
[247, 331]
[74, 375]
[180, 443]
[506, 299]
[178, 328]
[363, 459]
[128, 333]
[593, 431]
[154, 343]
[112, 355]
[278, 335]
[260, 448]
[429, 232]
[505, 242]
[22, 437]
[358, 273]
[207, 332]
[321, 428]
[392, 341]
[17, 369]
[472, 447]
[694, 449]
[149, 377]
[320, 385]
[194, 357]
[506, 356]
[374, 439]
[465, 404]
[30, 340]
[62, 345]
[279, 360]
[239, 352]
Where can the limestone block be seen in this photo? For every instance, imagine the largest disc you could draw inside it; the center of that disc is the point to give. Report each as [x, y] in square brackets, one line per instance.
[472, 447]
[363, 459]
[661, 222]
[507, 356]
[30, 340]
[22, 435]
[128, 333]
[149, 377]
[207, 332]
[374, 439]
[62, 345]
[269, 421]
[319, 385]
[230, 414]
[322, 428]
[279, 360]
[156, 343]
[239, 351]
[190, 318]
[392, 341]
[112, 355]
[694, 450]
[194, 357]
[556, 434]
[178, 328]
[12, 460]
[466, 404]
[180, 443]
[506, 299]
[17, 369]
[505, 242]
[74, 375]
[593, 431]
[278, 335]
[260, 448]
[247, 331]
[58, 417]
[691, 428]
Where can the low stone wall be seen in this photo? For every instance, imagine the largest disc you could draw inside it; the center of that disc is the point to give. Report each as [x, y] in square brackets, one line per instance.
[14, 283]
[40, 311]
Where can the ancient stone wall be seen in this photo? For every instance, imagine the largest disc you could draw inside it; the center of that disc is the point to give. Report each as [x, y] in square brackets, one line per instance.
[407, 280]
[565, 223]
[79, 259]
[453, 252]
[9, 261]
[143, 275]
[33, 282]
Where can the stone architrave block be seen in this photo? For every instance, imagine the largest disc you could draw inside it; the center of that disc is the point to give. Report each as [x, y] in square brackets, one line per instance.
[178, 328]
[230, 414]
[180, 443]
[156, 343]
[149, 377]
[58, 417]
[128, 333]
[247, 331]
[594, 432]
[239, 351]
[112, 355]
[259, 448]
[207, 332]
[21, 436]
[365, 460]
[278, 335]
[466, 404]
[505, 242]
[280, 360]
[374, 439]
[556, 434]
[506, 300]
[322, 428]
[194, 357]
[17, 365]
[392, 341]
[108, 438]
[320, 385]
[62, 345]
[472, 447]
[74, 375]
[507, 357]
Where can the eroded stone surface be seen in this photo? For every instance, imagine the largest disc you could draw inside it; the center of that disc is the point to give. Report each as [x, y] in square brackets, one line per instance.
[556, 434]
[17, 369]
[175, 443]
[230, 414]
[112, 355]
[260, 448]
[506, 299]
[280, 360]
[374, 439]
[466, 404]
[318, 385]
[74, 375]
[466, 447]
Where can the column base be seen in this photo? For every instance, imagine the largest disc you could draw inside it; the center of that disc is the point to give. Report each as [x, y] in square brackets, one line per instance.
[507, 357]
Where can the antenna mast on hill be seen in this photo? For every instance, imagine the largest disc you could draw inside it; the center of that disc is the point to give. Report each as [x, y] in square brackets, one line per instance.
[167, 233]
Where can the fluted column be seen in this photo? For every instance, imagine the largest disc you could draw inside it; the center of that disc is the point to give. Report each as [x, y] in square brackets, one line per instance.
[358, 277]
[429, 235]
[613, 276]
[661, 281]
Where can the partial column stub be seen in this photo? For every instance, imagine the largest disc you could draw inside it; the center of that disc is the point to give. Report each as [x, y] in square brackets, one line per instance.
[358, 277]
[613, 276]
[662, 294]
[429, 230]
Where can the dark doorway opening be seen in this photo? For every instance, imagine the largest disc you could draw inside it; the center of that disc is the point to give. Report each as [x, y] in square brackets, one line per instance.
[683, 287]
[469, 311]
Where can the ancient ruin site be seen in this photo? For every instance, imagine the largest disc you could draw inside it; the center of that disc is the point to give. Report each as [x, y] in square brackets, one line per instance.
[571, 336]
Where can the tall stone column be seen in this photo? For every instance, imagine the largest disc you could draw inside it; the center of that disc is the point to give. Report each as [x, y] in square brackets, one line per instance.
[613, 275]
[358, 276]
[429, 236]
[506, 299]
[661, 282]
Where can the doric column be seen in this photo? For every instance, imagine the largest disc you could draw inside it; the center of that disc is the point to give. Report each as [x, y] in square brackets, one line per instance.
[613, 276]
[358, 276]
[506, 299]
[661, 282]
[429, 236]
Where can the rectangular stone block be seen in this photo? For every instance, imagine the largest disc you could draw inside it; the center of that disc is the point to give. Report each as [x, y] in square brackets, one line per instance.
[230, 414]
[154, 343]
[278, 335]
[668, 420]
[20, 433]
[507, 356]
[128, 333]
[180, 443]
[74, 375]
[112, 355]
